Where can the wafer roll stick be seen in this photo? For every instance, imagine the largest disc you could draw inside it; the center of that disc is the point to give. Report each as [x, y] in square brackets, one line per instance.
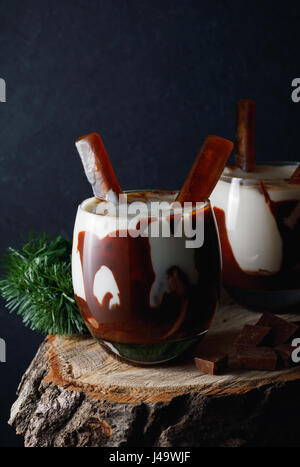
[295, 178]
[97, 167]
[245, 135]
[206, 170]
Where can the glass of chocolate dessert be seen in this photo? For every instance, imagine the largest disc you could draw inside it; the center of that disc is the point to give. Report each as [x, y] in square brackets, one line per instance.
[258, 216]
[257, 207]
[146, 273]
[146, 298]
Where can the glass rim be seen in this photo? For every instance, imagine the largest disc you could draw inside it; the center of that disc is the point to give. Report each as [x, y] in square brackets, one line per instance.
[83, 205]
[256, 181]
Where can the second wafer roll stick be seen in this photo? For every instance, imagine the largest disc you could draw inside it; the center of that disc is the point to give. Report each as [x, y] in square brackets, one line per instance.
[206, 170]
[245, 135]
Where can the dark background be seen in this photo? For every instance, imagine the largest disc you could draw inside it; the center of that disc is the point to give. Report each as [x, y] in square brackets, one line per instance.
[154, 77]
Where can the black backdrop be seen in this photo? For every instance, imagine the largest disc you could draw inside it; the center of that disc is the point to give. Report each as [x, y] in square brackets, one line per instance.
[154, 77]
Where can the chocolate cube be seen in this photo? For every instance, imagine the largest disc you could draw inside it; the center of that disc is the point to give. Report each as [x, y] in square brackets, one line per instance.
[257, 358]
[252, 335]
[212, 364]
[284, 352]
[281, 330]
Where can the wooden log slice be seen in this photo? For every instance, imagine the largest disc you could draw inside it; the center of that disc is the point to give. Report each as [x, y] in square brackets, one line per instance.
[75, 394]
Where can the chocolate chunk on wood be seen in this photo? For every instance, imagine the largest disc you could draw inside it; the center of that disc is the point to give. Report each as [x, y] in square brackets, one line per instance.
[257, 358]
[284, 352]
[213, 364]
[281, 330]
[297, 333]
[252, 335]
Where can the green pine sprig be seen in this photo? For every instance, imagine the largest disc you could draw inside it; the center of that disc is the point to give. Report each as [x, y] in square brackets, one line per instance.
[37, 284]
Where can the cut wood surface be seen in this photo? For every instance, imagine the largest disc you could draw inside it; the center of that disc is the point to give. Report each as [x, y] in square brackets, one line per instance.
[75, 394]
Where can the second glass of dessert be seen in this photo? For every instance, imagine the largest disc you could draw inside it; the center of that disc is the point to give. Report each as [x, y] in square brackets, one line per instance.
[257, 207]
